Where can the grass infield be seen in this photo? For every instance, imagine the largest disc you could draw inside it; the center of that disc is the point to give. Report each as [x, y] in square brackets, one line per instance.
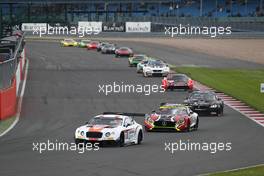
[243, 84]
[252, 171]
[5, 124]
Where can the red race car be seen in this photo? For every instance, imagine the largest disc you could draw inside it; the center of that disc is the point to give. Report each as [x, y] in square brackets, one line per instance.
[175, 117]
[124, 51]
[93, 45]
[177, 81]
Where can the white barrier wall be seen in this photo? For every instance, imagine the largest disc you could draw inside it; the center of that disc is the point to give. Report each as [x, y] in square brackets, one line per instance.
[33, 26]
[138, 26]
[95, 26]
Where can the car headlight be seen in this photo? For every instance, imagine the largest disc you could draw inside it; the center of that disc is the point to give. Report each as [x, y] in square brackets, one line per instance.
[107, 134]
[213, 106]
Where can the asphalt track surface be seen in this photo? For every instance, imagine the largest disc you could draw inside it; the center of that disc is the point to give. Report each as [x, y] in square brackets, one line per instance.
[62, 94]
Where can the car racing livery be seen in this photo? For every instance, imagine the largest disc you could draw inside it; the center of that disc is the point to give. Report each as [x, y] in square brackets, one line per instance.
[93, 45]
[133, 61]
[142, 63]
[101, 44]
[83, 43]
[110, 128]
[69, 42]
[177, 81]
[124, 51]
[108, 49]
[155, 68]
[176, 117]
[205, 101]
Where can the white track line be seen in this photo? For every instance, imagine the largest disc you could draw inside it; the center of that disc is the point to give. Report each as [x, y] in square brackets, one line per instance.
[19, 105]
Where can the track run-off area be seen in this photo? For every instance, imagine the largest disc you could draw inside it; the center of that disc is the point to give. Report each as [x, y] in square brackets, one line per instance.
[62, 93]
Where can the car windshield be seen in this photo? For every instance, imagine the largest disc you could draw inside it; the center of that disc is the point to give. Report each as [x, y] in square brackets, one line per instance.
[138, 58]
[94, 43]
[174, 111]
[124, 49]
[85, 41]
[113, 122]
[69, 40]
[156, 64]
[109, 46]
[203, 96]
[179, 78]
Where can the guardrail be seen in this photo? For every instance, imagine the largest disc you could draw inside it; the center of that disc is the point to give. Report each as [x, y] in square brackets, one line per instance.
[11, 73]
[10, 51]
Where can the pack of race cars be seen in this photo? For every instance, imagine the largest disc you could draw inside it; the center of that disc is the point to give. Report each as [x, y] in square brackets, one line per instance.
[121, 128]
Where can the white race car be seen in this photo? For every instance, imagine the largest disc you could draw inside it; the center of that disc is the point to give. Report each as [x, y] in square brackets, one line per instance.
[110, 128]
[155, 67]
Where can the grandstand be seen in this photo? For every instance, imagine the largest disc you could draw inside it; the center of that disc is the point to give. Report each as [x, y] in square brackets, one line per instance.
[13, 12]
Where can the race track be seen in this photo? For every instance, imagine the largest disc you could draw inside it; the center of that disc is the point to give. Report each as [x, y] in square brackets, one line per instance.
[62, 94]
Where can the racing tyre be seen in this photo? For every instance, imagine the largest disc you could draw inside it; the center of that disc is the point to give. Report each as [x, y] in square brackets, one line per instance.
[220, 112]
[140, 137]
[121, 141]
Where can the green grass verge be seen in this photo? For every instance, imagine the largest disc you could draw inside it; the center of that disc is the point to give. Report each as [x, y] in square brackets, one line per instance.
[242, 84]
[4, 124]
[253, 171]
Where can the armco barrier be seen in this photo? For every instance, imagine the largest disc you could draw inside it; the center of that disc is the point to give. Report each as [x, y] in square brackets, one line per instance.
[8, 101]
[9, 96]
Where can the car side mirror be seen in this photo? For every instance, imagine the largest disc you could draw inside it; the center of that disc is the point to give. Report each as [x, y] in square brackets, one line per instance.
[86, 123]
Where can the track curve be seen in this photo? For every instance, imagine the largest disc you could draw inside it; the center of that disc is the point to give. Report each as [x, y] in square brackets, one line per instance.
[62, 93]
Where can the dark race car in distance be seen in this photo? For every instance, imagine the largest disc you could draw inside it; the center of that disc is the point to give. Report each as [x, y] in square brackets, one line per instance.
[108, 49]
[205, 101]
[172, 117]
[124, 51]
[177, 81]
[101, 45]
